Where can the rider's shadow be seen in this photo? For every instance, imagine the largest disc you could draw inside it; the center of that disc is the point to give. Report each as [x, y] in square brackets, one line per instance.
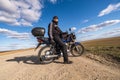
[58, 62]
[25, 59]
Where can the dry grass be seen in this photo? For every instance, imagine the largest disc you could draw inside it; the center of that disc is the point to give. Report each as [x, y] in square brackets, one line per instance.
[108, 47]
[115, 41]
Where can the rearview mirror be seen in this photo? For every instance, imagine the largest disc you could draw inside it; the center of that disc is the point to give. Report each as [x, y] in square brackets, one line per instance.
[69, 29]
[72, 29]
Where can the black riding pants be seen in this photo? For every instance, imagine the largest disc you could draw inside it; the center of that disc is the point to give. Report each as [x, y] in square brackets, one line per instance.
[61, 47]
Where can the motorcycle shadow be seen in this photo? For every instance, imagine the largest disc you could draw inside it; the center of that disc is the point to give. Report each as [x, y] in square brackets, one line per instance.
[33, 60]
[25, 59]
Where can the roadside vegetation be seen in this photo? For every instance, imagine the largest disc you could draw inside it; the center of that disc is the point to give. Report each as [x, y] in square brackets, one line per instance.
[107, 48]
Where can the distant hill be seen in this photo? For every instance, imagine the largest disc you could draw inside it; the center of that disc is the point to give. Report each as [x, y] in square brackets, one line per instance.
[114, 41]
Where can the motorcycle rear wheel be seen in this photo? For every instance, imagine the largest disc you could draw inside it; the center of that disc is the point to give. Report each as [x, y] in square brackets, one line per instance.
[45, 51]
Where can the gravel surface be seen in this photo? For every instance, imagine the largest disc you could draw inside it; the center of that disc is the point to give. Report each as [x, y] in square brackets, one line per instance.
[25, 66]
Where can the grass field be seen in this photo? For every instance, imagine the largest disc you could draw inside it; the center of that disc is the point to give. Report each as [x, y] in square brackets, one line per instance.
[107, 47]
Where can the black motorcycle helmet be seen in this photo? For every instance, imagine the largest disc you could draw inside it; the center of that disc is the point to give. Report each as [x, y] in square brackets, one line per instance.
[55, 17]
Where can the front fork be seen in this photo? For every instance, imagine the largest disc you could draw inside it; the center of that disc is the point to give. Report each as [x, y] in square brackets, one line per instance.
[76, 47]
[75, 44]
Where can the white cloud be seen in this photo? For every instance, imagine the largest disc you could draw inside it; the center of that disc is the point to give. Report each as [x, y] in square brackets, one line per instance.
[73, 28]
[86, 37]
[85, 21]
[53, 1]
[113, 33]
[20, 12]
[7, 6]
[14, 34]
[20, 46]
[109, 9]
[16, 46]
[4, 48]
[98, 26]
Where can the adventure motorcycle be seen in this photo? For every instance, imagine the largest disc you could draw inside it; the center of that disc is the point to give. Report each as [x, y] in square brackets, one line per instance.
[47, 52]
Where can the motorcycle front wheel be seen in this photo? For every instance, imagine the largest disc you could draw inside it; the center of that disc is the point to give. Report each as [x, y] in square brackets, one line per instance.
[77, 50]
[43, 52]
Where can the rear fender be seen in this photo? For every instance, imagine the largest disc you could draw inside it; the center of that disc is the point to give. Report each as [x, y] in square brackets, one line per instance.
[38, 45]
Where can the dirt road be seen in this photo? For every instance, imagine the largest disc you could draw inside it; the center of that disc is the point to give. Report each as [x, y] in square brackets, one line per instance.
[24, 66]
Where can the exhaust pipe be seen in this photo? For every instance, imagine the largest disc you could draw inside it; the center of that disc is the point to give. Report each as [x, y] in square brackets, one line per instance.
[51, 56]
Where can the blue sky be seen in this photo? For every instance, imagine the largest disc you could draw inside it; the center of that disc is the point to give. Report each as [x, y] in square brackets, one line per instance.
[90, 19]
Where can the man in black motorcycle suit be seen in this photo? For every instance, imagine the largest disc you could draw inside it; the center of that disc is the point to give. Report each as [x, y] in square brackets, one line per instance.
[54, 33]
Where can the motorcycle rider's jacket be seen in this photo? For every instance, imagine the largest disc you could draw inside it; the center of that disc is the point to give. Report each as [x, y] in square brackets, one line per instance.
[53, 30]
